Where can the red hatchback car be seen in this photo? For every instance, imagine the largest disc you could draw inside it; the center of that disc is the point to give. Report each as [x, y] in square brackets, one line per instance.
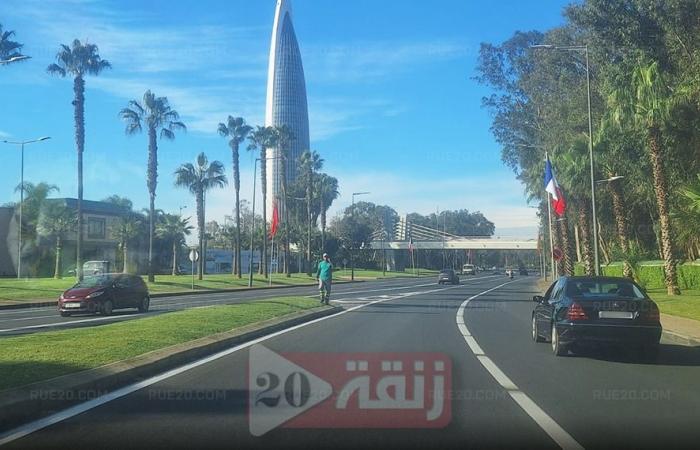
[105, 293]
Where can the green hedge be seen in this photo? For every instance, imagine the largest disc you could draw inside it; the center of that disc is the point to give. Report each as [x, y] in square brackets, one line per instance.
[652, 276]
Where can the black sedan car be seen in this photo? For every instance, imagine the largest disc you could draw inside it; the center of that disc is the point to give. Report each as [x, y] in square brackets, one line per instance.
[448, 276]
[596, 310]
[105, 293]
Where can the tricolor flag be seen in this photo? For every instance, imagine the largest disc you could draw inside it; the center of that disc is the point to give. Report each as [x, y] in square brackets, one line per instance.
[552, 187]
[275, 220]
[410, 245]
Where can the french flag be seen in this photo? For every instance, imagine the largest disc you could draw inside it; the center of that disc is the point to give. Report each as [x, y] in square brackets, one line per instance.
[551, 186]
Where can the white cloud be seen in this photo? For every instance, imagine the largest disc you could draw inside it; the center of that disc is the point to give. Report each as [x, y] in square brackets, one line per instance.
[369, 61]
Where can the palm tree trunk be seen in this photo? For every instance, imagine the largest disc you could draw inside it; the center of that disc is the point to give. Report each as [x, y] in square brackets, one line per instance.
[308, 224]
[125, 256]
[586, 244]
[263, 180]
[323, 222]
[661, 189]
[59, 256]
[237, 186]
[79, 117]
[621, 225]
[568, 262]
[175, 242]
[200, 233]
[152, 181]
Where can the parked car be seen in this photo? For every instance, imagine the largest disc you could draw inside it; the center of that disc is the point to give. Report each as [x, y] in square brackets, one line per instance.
[523, 271]
[105, 293]
[448, 276]
[577, 311]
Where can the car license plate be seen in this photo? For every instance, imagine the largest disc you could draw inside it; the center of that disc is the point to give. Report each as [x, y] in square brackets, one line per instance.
[71, 305]
[615, 315]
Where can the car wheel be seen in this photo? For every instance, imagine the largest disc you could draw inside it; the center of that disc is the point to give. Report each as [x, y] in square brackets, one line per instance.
[557, 347]
[535, 331]
[107, 308]
[144, 305]
[65, 314]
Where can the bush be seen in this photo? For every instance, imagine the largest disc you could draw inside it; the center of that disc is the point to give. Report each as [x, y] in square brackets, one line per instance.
[652, 276]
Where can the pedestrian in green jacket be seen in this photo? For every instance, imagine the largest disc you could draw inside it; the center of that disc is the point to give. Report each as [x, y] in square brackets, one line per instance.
[324, 276]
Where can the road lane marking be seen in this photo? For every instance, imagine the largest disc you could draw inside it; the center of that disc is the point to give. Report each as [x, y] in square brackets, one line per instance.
[73, 411]
[548, 425]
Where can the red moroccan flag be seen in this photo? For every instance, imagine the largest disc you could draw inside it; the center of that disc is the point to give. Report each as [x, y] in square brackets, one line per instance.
[275, 220]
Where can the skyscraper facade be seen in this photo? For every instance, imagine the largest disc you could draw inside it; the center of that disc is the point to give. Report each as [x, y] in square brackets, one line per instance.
[286, 100]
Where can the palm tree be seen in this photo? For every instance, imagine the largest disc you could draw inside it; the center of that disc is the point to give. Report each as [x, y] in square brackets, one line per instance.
[262, 139]
[647, 103]
[327, 194]
[173, 228]
[199, 179]
[285, 136]
[310, 162]
[573, 169]
[237, 130]
[79, 60]
[161, 120]
[56, 221]
[9, 49]
[126, 229]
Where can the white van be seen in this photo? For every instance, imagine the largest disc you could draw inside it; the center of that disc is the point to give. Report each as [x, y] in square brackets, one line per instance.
[468, 269]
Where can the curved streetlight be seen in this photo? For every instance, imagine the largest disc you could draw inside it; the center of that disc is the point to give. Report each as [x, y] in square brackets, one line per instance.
[21, 195]
[14, 59]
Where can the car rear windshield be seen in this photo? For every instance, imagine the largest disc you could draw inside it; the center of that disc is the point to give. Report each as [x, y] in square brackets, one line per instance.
[90, 282]
[598, 289]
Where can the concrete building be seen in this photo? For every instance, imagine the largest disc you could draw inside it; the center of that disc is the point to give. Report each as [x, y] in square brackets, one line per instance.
[99, 242]
[286, 99]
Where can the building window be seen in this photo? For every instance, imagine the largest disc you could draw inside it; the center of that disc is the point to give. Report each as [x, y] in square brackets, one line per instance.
[96, 228]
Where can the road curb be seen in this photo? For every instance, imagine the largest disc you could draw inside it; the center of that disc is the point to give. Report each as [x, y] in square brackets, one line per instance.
[30, 402]
[682, 339]
[183, 293]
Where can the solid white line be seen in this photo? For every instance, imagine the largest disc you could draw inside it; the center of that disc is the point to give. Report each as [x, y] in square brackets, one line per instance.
[548, 425]
[73, 411]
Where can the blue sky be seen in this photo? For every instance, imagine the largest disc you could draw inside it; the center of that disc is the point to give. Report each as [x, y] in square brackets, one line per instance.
[393, 109]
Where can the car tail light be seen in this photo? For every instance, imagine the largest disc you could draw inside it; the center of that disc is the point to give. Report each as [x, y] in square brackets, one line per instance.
[653, 314]
[576, 312]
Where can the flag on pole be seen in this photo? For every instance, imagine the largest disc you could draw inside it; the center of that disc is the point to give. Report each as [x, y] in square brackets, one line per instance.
[410, 245]
[553, 188]
[274, 226]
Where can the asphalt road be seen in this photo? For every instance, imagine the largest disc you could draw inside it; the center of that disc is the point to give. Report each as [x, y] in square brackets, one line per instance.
[31, 320]
[506, 391]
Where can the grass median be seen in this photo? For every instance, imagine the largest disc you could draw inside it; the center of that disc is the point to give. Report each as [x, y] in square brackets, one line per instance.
[41, 356]
[685, 305]
[25, 290]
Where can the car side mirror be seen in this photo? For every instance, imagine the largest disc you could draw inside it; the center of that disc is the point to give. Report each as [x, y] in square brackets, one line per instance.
[538, 299]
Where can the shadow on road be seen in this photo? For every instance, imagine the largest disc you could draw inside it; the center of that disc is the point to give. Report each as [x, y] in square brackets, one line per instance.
[669, 355]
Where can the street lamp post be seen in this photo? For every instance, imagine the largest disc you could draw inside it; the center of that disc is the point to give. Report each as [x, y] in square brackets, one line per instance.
[21, 196]
[352, 246]
[252, 222]
[584, 48]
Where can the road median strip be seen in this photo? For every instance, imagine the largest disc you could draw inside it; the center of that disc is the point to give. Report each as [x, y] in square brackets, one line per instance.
[48, 372]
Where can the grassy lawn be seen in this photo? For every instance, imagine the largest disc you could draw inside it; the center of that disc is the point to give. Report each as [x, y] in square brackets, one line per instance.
[40, 356]
[686, 305]
[13, 290]
[378, 274]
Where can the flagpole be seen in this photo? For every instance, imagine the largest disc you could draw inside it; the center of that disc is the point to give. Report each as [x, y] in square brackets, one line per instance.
[551, 236]
[272, 252]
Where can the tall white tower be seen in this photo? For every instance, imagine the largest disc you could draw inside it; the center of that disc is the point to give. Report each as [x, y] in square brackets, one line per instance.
[286, 99]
